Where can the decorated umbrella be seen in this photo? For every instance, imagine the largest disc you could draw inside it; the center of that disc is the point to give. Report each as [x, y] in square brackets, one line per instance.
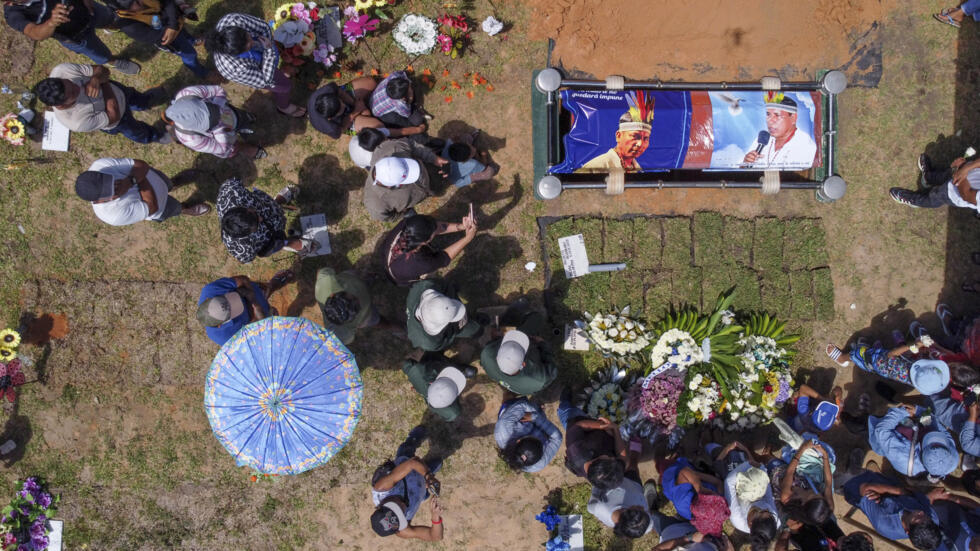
[283, 395]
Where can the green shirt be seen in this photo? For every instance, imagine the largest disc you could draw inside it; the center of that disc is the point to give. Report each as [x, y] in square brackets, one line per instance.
[538, 371]
[421, 376]
[329, 283]
[417, 334]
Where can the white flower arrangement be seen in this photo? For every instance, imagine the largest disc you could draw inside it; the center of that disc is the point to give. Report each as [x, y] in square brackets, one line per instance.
[675, 349]
[607, 401]
[491, 25]
[616, 334]
[415, 34]
[727, 317]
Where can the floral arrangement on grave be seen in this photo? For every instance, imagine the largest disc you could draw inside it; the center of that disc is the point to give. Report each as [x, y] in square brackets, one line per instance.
[374, 7]
[617, 334]
[454, 34]
[12, 129]
[293, 31]
[11, 375]
[24, 524]
[415, 34]
[491, 25]
[605, 395]
[358, 25]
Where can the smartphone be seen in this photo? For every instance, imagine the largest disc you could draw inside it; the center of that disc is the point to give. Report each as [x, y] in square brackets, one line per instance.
[471, 210]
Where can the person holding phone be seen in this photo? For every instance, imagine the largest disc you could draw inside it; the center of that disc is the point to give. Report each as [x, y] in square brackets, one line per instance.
[398, 489]
[407, 250]
[72, 23]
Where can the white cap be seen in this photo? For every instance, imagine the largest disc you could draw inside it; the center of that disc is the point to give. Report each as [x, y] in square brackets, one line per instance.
[513, 348]
[436, 311]
[443, 391]
[396, 171]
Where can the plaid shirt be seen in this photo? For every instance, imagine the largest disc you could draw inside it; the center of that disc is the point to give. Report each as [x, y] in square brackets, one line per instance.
[247, 71]
[381, 104]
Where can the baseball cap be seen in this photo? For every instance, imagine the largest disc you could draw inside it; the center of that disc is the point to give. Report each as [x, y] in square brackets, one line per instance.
[513, 348]
[193, 114]
[443, 391]
[396, 171]
[436, 311]
[93, 186]
[938, 457]
[824, 415]
[751, 484]
[217, 310]
[388, 519]
[929, 376]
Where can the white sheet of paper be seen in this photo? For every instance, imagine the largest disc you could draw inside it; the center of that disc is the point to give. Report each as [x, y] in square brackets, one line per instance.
[571, 531]
[315, 227]
[55, 134]
[55, 537]
[575, 338]
[573, 255]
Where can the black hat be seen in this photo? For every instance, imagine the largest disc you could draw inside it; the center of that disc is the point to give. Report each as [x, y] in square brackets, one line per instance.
[388, 519]
[93, 186]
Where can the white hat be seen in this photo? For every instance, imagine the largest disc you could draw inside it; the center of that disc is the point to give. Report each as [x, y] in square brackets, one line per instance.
[436, 311]
[513, 348]
[751, 484]
[449, 384]
[396, 171]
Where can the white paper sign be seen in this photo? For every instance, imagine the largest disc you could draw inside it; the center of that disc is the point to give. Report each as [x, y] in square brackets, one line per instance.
[573, 255]
[55, 134]
[575, 338]
[315, 227]
[55, 536]
[570, 530]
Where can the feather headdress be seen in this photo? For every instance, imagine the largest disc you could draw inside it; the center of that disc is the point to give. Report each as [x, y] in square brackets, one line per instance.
[778, 100]
[640, 112]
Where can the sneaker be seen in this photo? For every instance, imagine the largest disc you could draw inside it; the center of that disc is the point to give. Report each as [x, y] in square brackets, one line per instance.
[924, 163]
[199, 209]
[125, 66]
[651, 493]
[903, 196]
[968, 463]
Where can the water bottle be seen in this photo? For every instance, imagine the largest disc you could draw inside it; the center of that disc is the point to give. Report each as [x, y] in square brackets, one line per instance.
[156, 23]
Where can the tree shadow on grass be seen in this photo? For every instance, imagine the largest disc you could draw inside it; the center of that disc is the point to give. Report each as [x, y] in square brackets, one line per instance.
[17, 428]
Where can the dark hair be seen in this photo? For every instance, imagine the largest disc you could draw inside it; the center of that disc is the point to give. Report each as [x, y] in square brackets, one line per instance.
[633, 523]
[228, 41]
[813, 512]
[327, 105]
[370, 138]
[397, 88]
[605, 473]
[417, 230]
[460, 152]
[51, 91]
[239, 222]
[856, 541]
[762, 531]
[522, 453]
[963, 375]
[340, 308]
[925, 535]
[971, 482]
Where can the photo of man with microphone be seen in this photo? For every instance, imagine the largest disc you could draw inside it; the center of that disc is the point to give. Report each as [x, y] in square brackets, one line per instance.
[781, 145]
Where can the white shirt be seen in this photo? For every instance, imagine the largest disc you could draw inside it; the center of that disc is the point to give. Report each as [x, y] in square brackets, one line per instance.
[361, 156]
[798, 153]
[739, 508]
[629, 493]
[129, 207]
[954, 193]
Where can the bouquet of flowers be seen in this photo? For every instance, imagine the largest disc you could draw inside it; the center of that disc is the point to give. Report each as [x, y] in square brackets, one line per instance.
[656, 398]
[415, 34]
[605, 395]
[454, 33]
[293, 30]
[357, 26]
[675, 349]
[616, 333]
[24, 521]
[12, 129]
[374, 6]
[702, 397]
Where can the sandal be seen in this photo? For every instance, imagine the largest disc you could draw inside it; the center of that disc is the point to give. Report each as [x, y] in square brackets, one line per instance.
[945, 317]
[945, 17]
[260, 154]
[282, 278]
[835, 353]
[917, 331]
[288, 193]
[294, 111]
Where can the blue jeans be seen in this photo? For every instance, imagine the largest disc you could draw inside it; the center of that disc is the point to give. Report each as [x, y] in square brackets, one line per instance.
[183, 46]
[678, 527]
[88, 44]
[567, 412]
[128, 126]
[971, 8]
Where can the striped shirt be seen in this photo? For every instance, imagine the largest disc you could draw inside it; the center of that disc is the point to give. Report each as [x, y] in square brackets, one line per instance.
[222, 140]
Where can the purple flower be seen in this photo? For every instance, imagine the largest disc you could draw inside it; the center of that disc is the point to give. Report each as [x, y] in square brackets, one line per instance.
[39, 543]
[24, 547]
[358, 27]
[37, 529]
[784, 391]
[44, 500]
[25, 510]
[31, 485]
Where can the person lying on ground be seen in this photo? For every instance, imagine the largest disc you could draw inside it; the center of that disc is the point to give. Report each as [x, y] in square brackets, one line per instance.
[956, 186]
[346, 305]
[244, 52]
[803, 480]
[160, 23]
[393, 102]
[436, 317]
[126, 191]
[895, 512]
[408, 254]
[626, 507]
[466, 163]
[204, 121]
[526, 439]
[397, 180]
[954, 16]
[253, 224]
[85, 99]
[72, 23]
[335, 110]
[594, 448]
[913, 443]
[439, 382]
[399, 487]
[230, 303]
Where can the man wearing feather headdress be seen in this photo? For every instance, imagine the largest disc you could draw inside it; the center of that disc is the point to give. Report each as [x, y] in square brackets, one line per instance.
[632, 137]
[786, 147]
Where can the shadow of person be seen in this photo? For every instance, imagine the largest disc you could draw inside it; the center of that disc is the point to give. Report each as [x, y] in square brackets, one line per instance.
[17, 428]
[325, 186]
[481, 196]
[306, 270]
[276, 126]
[446, 438]
[208, 172]
[484, 142]
[477, 270]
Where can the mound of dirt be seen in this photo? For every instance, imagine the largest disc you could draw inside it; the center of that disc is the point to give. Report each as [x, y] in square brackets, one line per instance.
[712, 39]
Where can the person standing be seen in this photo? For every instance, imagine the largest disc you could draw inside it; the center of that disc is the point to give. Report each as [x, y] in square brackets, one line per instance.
[911, 445]
[440, 383]
[346, 304]
[407, 253]
[397, 180]
[253, 224]
[436, 317]
[230, 303]
[398, 489]
[126, 191]
[72, 23]
[520, 363]
[204, 121]
[895, 512]
[161, 23]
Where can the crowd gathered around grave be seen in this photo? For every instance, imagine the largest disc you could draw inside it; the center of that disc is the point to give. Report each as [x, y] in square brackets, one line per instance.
[784, 496]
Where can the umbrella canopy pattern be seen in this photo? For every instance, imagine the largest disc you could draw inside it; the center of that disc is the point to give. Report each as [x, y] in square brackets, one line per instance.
[283, 395]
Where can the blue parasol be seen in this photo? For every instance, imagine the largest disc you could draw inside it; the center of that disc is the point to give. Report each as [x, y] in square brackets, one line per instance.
[283, 395]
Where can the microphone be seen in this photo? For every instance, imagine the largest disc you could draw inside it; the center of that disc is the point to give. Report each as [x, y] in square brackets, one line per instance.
[763, 139]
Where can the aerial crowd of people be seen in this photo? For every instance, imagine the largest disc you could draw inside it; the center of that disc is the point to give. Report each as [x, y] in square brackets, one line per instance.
[783, 497]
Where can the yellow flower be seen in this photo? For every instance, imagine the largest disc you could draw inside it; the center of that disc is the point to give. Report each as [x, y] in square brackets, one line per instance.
[9, 338]
[363, 5]
[284, 13]
[7, 354]
[380, 3]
